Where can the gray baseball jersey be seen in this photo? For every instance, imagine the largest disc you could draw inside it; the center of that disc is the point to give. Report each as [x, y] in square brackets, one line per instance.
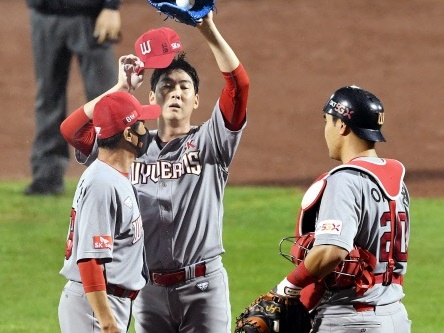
[354, 210]
[105, 225]
[358, 207]
[181, 188]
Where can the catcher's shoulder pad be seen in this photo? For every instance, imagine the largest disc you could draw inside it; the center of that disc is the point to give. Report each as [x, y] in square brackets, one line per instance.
[388, 173]
[310, 203]
[189, 16]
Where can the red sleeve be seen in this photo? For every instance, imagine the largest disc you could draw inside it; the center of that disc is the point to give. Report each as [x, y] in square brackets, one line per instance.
[234, 97]
[92, 276]
[301, 277]
[78, 130]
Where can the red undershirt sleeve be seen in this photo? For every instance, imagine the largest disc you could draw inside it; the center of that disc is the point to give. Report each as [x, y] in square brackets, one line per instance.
[91, 273]
[301, 277]
[234, 97]
[78, 130]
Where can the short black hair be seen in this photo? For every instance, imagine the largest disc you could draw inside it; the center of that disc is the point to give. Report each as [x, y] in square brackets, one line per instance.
[179, 62]
[111, 142]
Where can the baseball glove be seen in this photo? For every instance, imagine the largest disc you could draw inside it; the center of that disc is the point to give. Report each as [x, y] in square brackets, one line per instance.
[189, 16]
[273, 313]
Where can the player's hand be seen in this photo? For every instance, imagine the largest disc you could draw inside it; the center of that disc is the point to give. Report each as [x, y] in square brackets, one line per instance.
[130, 75]
[205, 20]
[112, 328]
[108, 26]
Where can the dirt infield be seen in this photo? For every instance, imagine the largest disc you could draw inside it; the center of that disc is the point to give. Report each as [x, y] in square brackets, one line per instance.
[296, 57]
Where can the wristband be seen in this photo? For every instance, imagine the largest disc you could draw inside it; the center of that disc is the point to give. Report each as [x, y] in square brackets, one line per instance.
[287, 289]
[301, 277]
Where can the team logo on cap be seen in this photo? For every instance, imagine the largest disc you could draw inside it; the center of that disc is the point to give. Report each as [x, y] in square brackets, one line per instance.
[165, 48]
[175, 46]
[145, 47]
[130, 118]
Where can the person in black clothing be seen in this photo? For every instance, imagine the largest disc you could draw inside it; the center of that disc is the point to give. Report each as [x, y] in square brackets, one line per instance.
[61, 30]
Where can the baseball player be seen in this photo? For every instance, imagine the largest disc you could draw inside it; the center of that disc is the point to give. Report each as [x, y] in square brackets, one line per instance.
[363, 203]
[180, 182]
[104, 259]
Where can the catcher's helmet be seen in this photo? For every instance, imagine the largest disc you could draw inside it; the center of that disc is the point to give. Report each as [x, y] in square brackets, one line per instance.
[360, 110]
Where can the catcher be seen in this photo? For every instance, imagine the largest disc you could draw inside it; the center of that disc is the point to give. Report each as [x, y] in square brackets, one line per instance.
[353, 235]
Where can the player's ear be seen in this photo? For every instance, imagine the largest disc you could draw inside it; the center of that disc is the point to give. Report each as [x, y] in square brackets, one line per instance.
[152, 97]
[196, 101]
[127, 134]
[344, 129]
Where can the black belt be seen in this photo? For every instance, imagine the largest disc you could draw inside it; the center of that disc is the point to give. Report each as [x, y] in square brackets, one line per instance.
[168, 278]
[115, 290]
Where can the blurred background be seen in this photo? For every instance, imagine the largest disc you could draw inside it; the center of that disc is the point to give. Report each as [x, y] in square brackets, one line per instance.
[297, 53]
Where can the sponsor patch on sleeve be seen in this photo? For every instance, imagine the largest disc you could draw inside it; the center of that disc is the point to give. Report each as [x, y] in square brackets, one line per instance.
[332, 227]
[102, 242]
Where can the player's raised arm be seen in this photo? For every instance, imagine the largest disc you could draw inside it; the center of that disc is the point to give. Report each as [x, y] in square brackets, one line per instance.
[77, 128]
[234, 97]
[224, 54]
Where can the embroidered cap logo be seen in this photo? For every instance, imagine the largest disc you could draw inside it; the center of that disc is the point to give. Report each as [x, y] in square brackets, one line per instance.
[145, 47]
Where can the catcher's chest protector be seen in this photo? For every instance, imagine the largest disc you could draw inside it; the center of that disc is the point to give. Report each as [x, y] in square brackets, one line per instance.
[387, 173]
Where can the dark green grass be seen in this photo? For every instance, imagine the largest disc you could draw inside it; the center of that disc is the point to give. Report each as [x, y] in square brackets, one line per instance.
[33, 231]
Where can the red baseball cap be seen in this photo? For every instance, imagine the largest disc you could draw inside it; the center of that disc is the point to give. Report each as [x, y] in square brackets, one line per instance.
[116, 111]
[156, 48]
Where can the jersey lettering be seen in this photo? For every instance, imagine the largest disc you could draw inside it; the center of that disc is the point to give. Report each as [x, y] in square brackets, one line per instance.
[69, 241]
[138, 229]
[400, 245]
[405, 198]
[81, 190]
[190, 163]
[377, 195]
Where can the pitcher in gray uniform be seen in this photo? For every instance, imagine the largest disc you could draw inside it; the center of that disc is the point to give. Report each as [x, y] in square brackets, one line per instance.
[181, 181]
[361, 206]
[104, 259]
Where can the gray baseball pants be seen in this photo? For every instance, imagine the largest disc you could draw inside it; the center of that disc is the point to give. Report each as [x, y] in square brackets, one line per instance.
[56, 39]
